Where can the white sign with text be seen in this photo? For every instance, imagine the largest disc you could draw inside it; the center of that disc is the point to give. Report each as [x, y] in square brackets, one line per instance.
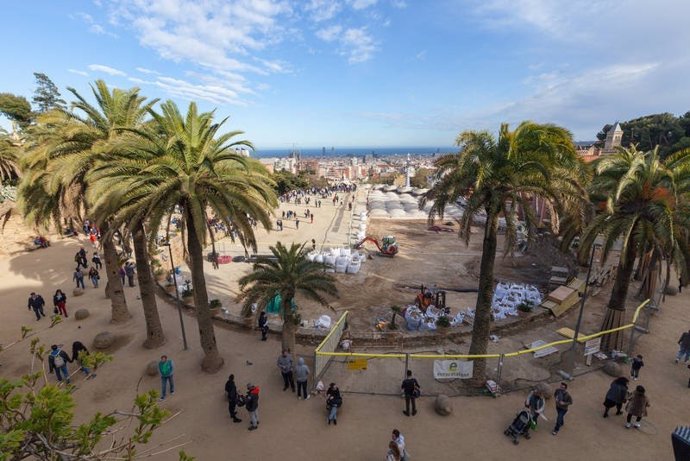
[453, 369]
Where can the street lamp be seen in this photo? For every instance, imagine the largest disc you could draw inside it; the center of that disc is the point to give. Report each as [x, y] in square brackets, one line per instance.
[177, 294]
[595, 246]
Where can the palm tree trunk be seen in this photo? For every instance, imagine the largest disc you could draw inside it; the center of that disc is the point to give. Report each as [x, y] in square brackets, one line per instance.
[212, 361]
[482, 314]
[615, 312]
[289, 331]
[114, 290]
[154, 329]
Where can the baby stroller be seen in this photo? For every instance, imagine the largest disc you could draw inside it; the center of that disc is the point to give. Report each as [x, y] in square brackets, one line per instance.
[520, 426]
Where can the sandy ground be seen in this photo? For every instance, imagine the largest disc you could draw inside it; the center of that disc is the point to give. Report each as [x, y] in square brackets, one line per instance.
[297, 430]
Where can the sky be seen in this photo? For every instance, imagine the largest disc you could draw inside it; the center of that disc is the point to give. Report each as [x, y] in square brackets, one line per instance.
[368, 73]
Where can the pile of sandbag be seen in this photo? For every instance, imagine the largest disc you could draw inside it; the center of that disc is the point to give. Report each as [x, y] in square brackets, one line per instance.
[341, 260]
[417, 320]
[508, 296]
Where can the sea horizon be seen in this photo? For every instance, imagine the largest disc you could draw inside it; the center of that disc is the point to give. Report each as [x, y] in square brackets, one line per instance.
[335, 151]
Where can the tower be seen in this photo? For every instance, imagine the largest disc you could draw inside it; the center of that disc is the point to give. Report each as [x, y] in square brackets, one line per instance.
[613, 138]
[407, 171]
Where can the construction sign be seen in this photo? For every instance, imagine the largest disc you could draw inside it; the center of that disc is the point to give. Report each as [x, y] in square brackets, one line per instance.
[453, 369]
[357, 364]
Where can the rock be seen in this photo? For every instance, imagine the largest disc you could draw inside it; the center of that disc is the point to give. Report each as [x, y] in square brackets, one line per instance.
[443, 405]
[613, 369]
[103, 340]
[152, 368]
[81, 314]
[546, 390]
[77, 292]
[671, 291]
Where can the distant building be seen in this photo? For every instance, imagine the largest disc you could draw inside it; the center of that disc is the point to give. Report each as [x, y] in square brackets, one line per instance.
[591, 152]
[613, 139]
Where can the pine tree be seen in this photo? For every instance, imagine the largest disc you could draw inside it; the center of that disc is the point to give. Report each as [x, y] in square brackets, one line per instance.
[46, 96]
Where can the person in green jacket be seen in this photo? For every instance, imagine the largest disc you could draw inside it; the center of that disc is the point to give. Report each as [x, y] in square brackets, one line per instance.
[166, 369]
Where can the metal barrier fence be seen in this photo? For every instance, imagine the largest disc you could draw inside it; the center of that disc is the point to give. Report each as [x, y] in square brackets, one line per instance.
[322, 354]
[347, 368]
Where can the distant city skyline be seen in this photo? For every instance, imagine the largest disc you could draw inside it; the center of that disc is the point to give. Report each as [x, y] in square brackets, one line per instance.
[365, 73]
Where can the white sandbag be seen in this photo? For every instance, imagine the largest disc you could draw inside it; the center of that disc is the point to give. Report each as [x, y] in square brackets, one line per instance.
[318, 258]
[353, 267]
[311, 256]
[329, 260]
[346, 252]
[323, 322]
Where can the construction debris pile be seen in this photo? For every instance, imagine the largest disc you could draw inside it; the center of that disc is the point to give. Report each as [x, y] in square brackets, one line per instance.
[417, 320]
[509, 296]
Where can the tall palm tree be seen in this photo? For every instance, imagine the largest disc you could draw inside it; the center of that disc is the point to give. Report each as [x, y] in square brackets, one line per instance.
[641, 211]
[499, 177]
[66, 146]
[287, 273]
[9, 157]
[182, 162]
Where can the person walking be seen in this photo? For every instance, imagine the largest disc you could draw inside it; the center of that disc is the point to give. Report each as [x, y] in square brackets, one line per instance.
[399, 440]
[297, 223]
[535, 403]
[36, 303]
[411, 389]
[57, 362]
[637, 363]
[637, 407]
[263, 325]
[563, 402]
[252, 406]
[393, 452]
[78, 277]
[285, 366]
[129, 271]
[96, 260]
[684, 343]
[79, 352]
[122, 274]
[616, 395]
[333, 401]
[94, 276]
[60, 303]
[231, 392]
[166, 369]
[302, 376]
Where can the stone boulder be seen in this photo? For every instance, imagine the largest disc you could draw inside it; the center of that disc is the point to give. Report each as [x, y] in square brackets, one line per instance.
[152, 368]
[546, 390]
[77, 292]
[613, 369]
[81, 314]
[443, 405]
[103, 340]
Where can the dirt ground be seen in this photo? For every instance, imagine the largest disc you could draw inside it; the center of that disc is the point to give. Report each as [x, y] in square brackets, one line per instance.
[296, 430]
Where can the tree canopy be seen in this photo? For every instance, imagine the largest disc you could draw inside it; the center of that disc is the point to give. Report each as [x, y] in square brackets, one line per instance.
[16, 108]
[665, 130]
[46, 96]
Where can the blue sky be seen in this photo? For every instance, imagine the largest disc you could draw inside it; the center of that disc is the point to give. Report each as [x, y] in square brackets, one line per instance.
[373, 73]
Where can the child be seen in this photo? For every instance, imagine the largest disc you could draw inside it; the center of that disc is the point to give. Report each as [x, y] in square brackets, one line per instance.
[637, 363]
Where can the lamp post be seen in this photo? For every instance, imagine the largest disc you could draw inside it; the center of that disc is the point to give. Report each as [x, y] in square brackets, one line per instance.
[177, 295]
[584, 296]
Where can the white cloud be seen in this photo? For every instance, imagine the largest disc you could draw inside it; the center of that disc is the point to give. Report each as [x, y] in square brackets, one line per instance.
[421, 56]
[106, 70]
[78, 72]
[400, 4]
[362, 4]
[322, 10]
[359, 45]
[94, 27]
[144, 70]
[329, 33]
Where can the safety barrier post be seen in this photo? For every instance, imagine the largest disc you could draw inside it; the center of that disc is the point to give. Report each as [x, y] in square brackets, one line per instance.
[499, 369]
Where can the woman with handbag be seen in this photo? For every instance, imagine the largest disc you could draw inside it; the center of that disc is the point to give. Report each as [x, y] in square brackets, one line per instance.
[333, 402]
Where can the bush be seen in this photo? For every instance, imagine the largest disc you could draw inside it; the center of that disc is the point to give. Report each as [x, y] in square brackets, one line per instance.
[526, 306]
[188, 292]
[214, 304]
[443, 322]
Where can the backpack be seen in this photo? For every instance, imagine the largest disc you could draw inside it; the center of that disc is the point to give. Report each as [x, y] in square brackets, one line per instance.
[58, 361]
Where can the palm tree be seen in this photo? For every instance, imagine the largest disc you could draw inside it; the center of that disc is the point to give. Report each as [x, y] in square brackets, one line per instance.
[287, 273]
[9, 157]
[498, 177]
[181, 162]
[66, 146]
[642, 212]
